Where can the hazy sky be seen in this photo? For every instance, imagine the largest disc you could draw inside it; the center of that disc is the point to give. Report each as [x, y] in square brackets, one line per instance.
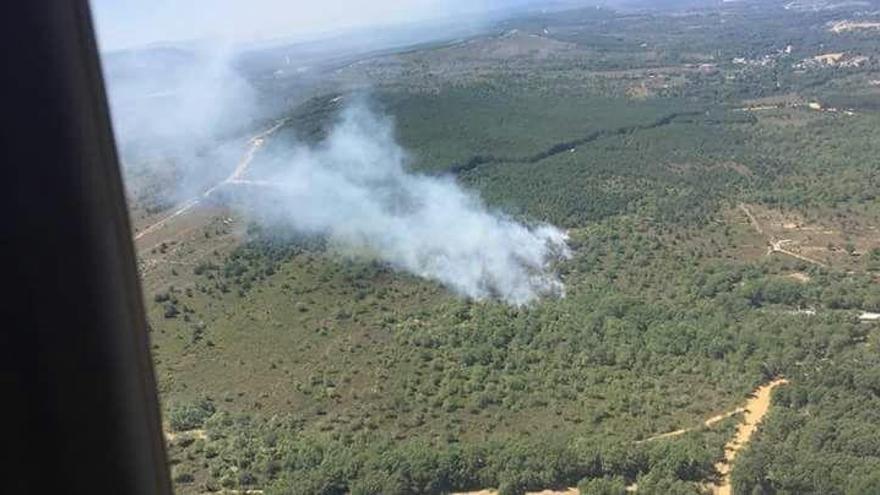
[130, 23]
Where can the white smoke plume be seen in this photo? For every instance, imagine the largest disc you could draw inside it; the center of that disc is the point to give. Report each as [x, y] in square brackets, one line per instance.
[192, 108]
[355, 189]
[178, 110]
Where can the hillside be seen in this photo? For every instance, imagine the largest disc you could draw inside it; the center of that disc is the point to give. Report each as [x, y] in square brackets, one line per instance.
[719, 191]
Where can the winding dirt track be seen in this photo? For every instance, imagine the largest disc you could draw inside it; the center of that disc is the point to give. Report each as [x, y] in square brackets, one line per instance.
[708, 423]
[236, 177]
[755, 408]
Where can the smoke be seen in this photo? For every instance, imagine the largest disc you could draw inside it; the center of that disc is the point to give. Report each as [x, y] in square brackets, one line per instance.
[192, 108]
[354, 188]
[177, 111]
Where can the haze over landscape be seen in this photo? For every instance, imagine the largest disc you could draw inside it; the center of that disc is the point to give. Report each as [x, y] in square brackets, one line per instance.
[134, 23]
[478, 247]
[353, 188]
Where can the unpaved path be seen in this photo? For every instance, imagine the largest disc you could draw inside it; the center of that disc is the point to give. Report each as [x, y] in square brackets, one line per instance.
[754, 221]
[237, 176]
[184, 207]
[776, 245]
[708, 423]
[755, 408]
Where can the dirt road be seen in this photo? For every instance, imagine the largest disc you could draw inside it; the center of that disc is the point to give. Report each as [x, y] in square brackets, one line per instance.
[776, 245]
[708, 423]
[237, 176]
[754, 221]
[755, 408]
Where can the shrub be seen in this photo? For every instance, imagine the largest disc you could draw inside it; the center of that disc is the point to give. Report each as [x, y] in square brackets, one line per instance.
[190, 416]
[602, 486]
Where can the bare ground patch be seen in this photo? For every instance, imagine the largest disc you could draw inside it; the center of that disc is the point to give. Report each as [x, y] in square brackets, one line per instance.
[816, 242]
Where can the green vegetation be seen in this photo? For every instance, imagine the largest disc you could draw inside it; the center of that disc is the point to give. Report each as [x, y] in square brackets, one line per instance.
[403, 370]
[314, 371]
[190, 416]
[823, 439]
